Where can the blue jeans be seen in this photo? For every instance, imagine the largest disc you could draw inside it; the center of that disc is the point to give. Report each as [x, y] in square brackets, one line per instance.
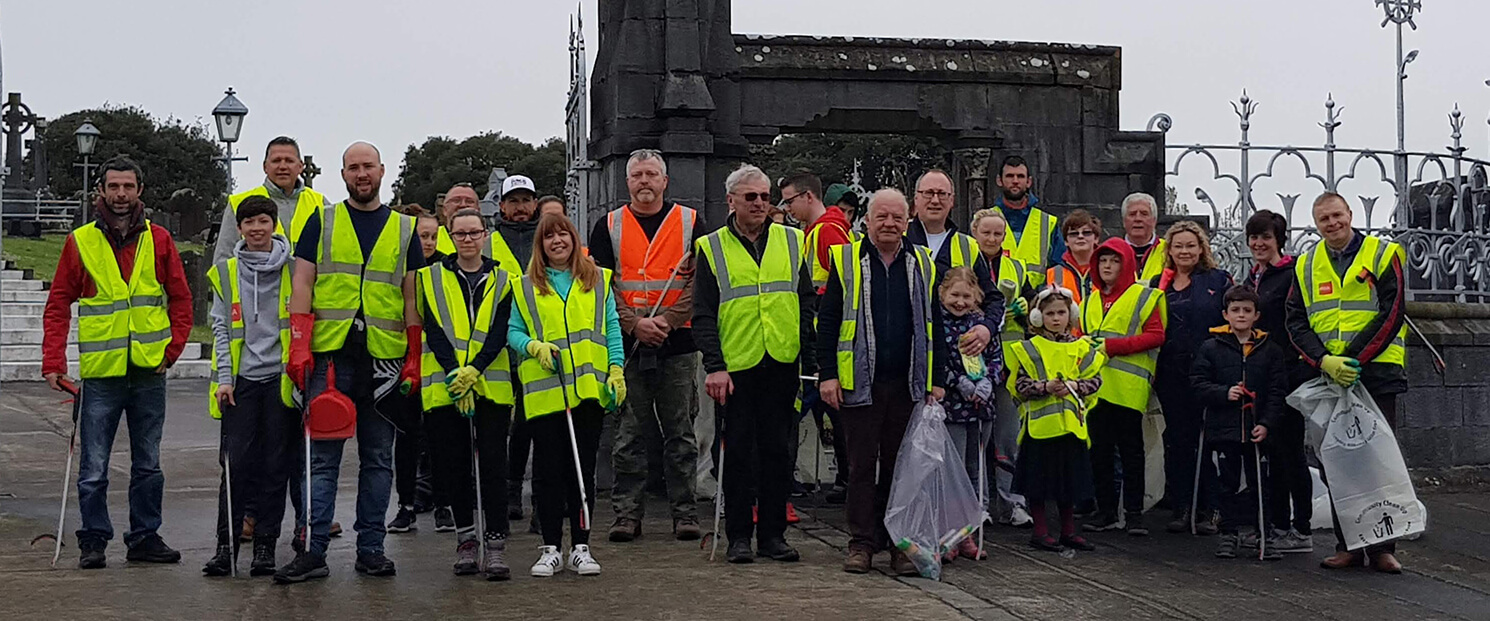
[140, 397]
[374, 459]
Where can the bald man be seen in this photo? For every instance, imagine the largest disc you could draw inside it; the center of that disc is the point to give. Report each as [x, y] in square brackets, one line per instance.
[352, 306]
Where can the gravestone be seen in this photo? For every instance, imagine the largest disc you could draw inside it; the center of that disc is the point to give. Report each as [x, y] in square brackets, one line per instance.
[671, 75]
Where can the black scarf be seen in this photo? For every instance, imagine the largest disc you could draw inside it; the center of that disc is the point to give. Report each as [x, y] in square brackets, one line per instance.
[120, 229]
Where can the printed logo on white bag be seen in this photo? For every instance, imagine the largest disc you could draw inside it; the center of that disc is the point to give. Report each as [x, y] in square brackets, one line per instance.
[1353, 427]
[1385, 519]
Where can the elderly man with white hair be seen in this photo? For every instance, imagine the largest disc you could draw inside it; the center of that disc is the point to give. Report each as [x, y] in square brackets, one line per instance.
[753, 301]
[1140, 223]
[875, 355]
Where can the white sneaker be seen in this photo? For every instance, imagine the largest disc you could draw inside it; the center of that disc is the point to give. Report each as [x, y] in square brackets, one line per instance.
[549, 562]
[1019, 518]
[581, 562]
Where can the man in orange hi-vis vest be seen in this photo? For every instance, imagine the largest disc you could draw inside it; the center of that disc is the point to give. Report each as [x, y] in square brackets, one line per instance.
[647, 244]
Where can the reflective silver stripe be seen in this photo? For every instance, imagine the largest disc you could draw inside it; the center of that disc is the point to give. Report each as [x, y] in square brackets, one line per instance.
[97, 310]
[433, 378]
[335, 314]
[552, 382]
[615, 221]
[328, 227]
[650, 285]
[1088, 359]
[494, 374]
[94, 347]
[153, 337]
[531, 297]
[1344, 336]
[442, 308]
[848, 274]
[1369, 307]
[1034, 354]
[1118, 364]
[385, 277]
[146, 300]
[1058, 407]
[1045, 233]
[236, 334]
[1136, 321]
[1309, 290]
[391, 325]
[685, 231]
[401, 262]
[332, 267]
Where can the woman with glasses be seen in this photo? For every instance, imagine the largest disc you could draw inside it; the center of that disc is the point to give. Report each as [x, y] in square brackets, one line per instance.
[1083, 232]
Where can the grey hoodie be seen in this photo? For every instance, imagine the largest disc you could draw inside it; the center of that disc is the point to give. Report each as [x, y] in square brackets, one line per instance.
[258, 285]
[227, 233]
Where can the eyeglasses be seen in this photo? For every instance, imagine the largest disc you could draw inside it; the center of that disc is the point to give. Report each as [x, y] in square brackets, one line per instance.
[751, 197]
[935, 194]
[786, 202]
[1082, 233]
[466, 235]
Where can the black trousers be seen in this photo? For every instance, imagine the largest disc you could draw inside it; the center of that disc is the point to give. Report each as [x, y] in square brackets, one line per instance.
[408, 450]
[452, 460]
[1235, 465]
[759, 427]
[557, 497]
[519, 447]
[1183, 418]
[1117, 432]
[1388, 406]
[258, 442]
[1288, 474]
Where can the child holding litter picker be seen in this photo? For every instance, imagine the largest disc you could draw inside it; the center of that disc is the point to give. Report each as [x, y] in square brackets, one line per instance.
[1053, 375]
[1241, 378]
[969, 399]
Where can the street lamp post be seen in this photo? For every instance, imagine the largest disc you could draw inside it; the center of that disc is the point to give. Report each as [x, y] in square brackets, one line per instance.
[229, 115]
[87, 137]
[1401, 12]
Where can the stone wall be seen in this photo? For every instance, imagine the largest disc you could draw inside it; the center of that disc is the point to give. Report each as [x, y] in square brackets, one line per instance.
[1443, 421]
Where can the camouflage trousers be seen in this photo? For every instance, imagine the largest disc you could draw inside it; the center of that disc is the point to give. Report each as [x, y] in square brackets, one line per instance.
[665, 396]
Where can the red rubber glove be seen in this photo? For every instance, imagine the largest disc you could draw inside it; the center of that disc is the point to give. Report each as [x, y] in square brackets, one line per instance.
[301, 361]
[409, 376]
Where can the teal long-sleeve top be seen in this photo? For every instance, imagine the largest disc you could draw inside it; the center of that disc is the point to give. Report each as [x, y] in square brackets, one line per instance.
[561, 281]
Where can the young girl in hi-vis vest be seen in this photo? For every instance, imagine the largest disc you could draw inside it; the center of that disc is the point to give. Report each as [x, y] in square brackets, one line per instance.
[970, 384]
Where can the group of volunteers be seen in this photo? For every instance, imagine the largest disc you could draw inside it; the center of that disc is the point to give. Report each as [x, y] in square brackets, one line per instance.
[444, 344]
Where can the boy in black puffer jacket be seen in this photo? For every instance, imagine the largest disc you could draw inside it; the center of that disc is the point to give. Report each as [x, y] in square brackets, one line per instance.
[1241, 377]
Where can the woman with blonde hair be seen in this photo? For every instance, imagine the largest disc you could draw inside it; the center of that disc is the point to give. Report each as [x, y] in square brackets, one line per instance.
[1193, 288]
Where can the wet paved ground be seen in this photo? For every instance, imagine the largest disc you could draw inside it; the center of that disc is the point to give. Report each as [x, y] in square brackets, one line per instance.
[1159, 577]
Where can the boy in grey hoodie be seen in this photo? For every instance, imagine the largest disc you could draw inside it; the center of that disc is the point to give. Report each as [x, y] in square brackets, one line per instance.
[250, 393]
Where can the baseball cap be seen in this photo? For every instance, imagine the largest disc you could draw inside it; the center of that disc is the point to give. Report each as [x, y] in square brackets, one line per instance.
[518, 182]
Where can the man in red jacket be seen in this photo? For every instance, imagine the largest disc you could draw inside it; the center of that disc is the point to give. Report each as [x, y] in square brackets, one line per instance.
[123, 318]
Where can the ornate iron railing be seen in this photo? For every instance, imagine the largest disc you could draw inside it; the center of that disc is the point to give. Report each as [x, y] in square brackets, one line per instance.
[1438, 201]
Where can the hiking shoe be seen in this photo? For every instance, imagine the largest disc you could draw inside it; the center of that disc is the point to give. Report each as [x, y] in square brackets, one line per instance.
[248, 529]
[375, 564]
[859, 561]
[1227, 546]
[152, 550]
[1207, 523]
[91, 555]
[549, 562]
[739, 552]
[221, 564]
[1135, 525]
[494, 560]
[465, 554]
[1291, 541]
[625, 529]
[837, 495]
[581, 562]
[777, 550]
[307, 565]
[901, 565]
[1020, 518]
[1077, 542]
[686, 529]
[404, 521]
[1103, 522]
[791, 514]
[1180, 523]
[444, 520]
[263, 561]
[1046, 543]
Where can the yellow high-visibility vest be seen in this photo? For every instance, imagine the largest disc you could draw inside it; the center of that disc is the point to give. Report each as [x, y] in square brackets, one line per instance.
[759, 311]
[123, 324]
[466, 333]
[226, 288]
[809, 254]
[1340, 309]
[846, 261]
[344, 284]
[1032, 250]
[496, 249]
[1126, 380]
[577, 325]
[1011, 278]
[308, 202]
[1154, 264]
[1042, 360]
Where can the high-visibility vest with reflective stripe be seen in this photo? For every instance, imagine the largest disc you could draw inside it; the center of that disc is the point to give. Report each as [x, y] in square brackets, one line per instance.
[466, 333]
[1154, 264]
[1071, 280]
[123, 323]
[646, 269]
[226, 288]
[1126, 380]
[759, 311]
[809, 253]
[846, 261]
[577, 325]
[496, 250]
[965, 251]
[1032, 250]
[1340, 310]
[1042, 360]
[1011, 278]
[307, 203]
[344, 285]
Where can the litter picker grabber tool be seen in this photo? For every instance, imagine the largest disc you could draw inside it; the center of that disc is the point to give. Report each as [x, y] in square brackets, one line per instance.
[662, 294]
[1438, 364]
[982, 483]
[227, 478]
[481, 507]
[713, 536]
[77, 404]
[1195, 489]
[579, 475]
[1249, 402]
[305, 425]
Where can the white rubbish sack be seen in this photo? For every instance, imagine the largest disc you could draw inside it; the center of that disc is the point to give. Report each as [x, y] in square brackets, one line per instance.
[1320, 520]
[1370, 489]
[933, 504]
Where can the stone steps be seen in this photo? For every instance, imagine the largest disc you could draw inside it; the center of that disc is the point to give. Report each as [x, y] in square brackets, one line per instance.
[30, 371]
[32, 353]
[22, 285]
[8, 295]
[26, 309]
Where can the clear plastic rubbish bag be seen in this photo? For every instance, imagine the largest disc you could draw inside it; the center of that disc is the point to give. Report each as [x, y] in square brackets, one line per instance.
[933, 505]
[1369, 487]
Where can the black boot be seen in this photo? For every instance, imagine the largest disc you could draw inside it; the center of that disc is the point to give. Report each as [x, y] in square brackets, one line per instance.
[152, 550]
[92, 556]
[221, 563]
[263, 562]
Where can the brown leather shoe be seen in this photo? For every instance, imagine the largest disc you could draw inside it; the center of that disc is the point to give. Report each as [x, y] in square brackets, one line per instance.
[686, 529]
[335, 529]
[625, 529]
[859, 561]
[901, 565]
[1386, 563]
[1342, 560]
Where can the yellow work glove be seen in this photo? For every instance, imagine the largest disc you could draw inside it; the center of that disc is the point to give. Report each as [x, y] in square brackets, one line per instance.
[466, 404]
[462, 381]
[1345, 371]
[616, 382]
[547, 354]
[1019, 308]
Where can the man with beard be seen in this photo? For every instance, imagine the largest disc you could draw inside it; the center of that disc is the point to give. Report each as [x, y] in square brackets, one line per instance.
[1032, 237]
[513, 244]
[282, 183]
[134, 316]
[352, 305]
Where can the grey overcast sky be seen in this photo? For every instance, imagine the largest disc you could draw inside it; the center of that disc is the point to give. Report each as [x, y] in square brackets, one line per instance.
[394, 72]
